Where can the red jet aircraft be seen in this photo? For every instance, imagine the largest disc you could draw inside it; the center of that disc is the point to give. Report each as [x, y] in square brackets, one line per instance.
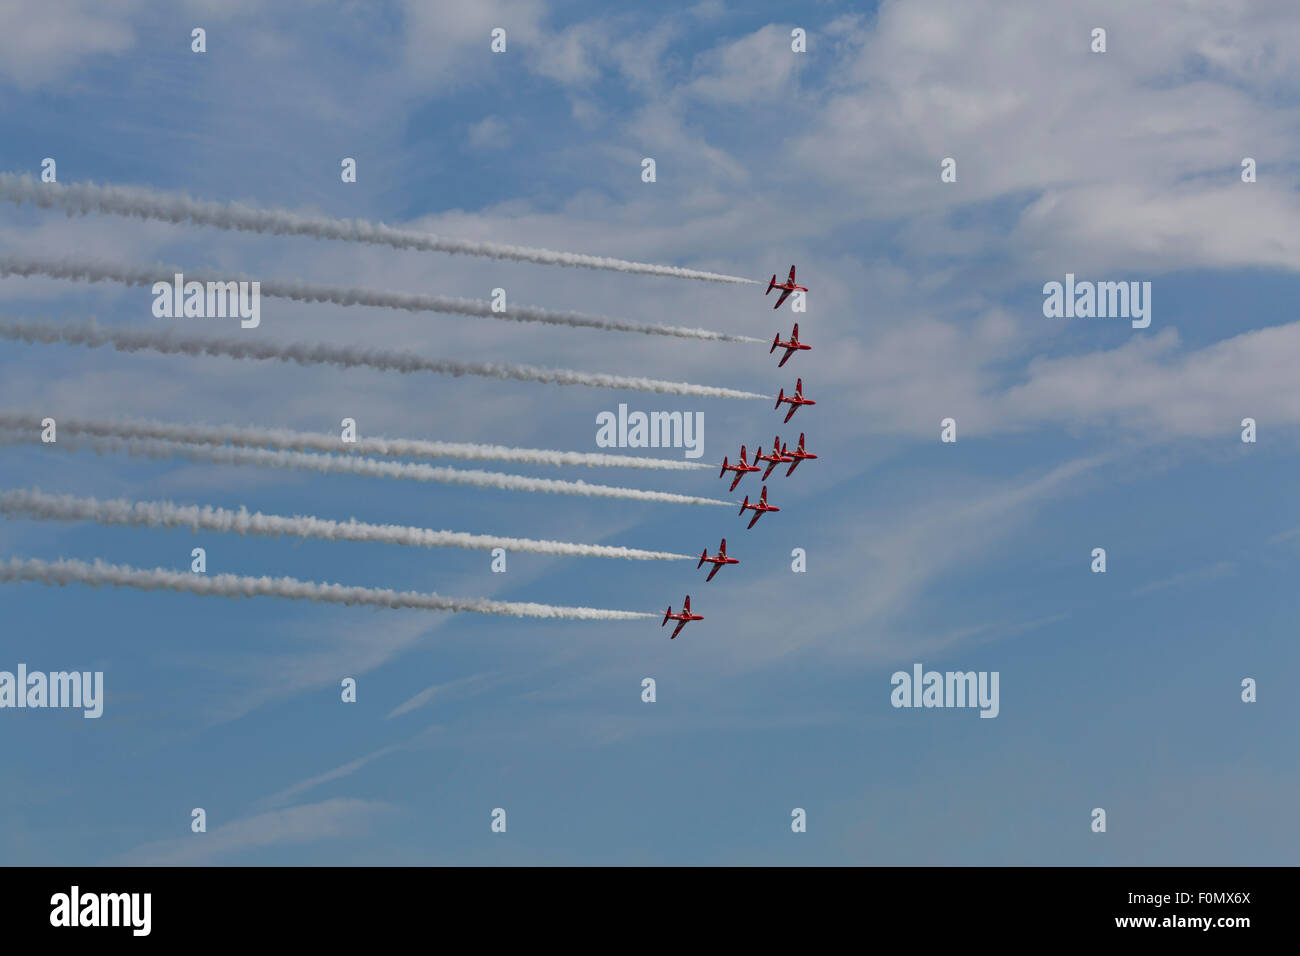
[798, 455]
[741, 468]
[760, 508]
[786, 288]
[685, 616]
[718, 560]
[794, 400]
[779, 456]
[794, 345]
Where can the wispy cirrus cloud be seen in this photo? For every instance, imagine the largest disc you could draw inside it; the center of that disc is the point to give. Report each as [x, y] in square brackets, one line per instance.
[305, 824]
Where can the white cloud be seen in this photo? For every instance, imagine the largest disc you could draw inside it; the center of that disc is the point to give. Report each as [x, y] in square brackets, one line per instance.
[448, 43]
[1120, 143]
[427, 695]
[1146, 386]
[43, 40]
[489, 133]
[309, 823]
[569, 56]
[338, 773]
[708, 9]
[755, 70]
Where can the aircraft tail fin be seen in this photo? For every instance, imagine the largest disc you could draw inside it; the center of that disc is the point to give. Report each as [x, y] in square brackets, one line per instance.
[779, 398]
[703, 554]
[666, 613]
[745, 505]
[724, 467]
[776, 338]
[771, 285]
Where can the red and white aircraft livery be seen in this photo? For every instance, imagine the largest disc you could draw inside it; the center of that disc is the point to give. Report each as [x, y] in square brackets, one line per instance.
[795, 400]
[760, 508]
[741, 468]
[794, 345]
[786, 288]
[798, 455]
[779, 456]
[718, 560]
[685, 616]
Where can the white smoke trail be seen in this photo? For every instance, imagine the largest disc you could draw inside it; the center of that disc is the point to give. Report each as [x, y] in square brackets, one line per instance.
[316, 441]
[67, 571]
[334, 464]
[96, 271]
[164, 514]
[142, 203]
[167, 342]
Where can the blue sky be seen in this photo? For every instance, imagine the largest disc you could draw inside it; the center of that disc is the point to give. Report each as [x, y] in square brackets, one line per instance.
[1119, 691]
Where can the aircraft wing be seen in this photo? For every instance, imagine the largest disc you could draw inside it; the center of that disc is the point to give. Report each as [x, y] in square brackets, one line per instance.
[785, 294]
[786, 358]
[713, 572]
[739, 475]
[768, 473]
[792, 275]
[790, 413]
[754, 520]
[680, 625]
[793, 467]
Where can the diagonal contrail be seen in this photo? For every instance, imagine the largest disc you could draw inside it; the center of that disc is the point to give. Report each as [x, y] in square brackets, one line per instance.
[164, 514]
[143, 203]
[91, 270]
[318, 441]
[68, 571]
[137, 339]
[335, 464]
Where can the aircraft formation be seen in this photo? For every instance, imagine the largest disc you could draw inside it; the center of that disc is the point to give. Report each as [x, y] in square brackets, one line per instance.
[780, 454]
[233, 445]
